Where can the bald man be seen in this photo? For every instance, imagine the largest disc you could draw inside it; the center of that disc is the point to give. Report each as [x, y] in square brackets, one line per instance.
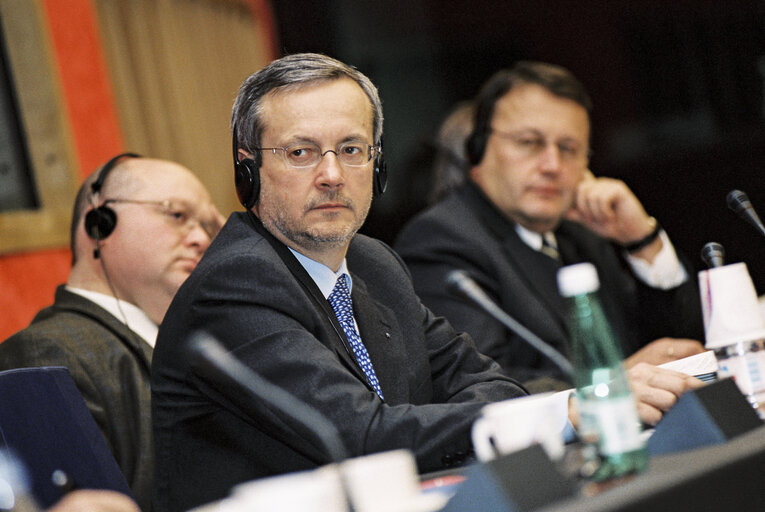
[139, 228]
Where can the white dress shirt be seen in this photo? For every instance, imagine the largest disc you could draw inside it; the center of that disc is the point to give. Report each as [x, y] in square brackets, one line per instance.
[664, 273]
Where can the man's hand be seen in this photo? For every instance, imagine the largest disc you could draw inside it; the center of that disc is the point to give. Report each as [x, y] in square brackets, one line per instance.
[87, 500]
[609, 208]
[665, 350]
[656, 390]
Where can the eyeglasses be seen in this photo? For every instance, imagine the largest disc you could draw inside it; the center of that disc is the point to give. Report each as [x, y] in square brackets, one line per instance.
[177, 214]
[532, 144]
[305, 155]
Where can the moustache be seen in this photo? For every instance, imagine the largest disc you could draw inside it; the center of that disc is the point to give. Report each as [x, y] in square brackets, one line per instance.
[333, 196]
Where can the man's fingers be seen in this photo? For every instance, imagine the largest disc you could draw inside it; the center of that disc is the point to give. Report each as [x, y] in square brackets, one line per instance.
[658, 398]
[648, 414]
[657, 389]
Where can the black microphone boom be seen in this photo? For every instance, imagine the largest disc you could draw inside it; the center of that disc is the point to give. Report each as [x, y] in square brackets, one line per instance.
[739, 203]
[216, 366]
[459, 283]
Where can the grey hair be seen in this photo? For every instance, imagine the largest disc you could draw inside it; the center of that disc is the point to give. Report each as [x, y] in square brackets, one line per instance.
[289, 73]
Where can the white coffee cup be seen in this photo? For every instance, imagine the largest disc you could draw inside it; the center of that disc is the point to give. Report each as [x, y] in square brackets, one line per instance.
[318, 490]
[729, 306]
[387, 482]
[511, 425]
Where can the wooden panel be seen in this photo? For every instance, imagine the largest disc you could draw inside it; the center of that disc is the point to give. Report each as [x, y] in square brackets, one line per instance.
[176, 66]
[44, 126]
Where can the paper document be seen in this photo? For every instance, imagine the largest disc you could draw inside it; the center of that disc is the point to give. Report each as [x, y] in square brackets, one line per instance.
[699, 365]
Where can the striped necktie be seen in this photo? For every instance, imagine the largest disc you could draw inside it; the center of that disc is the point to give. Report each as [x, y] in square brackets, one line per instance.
[549, 249]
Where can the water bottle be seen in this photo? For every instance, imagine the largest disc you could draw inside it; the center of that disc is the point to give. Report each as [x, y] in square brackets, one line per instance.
[609, 424]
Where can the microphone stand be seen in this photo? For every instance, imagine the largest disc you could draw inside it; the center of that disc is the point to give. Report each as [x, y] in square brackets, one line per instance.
[459, 283]
[209, 356]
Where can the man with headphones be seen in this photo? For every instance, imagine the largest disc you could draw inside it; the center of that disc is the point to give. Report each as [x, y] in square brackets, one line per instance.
[139, 228]
[274, 290]
[328, 315]
[527, 205]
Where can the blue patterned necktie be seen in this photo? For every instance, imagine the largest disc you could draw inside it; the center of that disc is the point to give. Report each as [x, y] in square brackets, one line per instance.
[340, 298]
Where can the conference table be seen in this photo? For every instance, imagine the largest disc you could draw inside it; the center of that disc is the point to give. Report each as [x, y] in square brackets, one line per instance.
[728, 476]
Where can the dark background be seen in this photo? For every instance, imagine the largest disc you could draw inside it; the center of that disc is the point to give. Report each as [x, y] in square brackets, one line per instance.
[677, 86]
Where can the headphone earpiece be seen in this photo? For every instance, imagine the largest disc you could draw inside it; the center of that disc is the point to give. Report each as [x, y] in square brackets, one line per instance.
[476, 145]
[247, 180]
[246, 175]
[380, 177]
[100, 221]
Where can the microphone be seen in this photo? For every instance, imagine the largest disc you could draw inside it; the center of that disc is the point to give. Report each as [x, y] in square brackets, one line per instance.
[460, 283]
[215, 365]
[713, 254]
[739, 203]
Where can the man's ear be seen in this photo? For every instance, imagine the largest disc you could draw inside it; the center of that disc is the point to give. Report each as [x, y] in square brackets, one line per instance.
[242, 154]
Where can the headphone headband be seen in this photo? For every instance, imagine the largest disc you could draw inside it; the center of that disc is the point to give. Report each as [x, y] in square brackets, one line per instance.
[100, 221]
[97, 185]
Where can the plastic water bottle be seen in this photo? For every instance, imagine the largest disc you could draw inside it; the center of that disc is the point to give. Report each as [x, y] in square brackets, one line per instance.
[609, 424]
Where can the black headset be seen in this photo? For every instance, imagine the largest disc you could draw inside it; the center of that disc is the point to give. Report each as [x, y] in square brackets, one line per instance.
[100, 221]
[487, 98]
[475, 145]
[247, 175]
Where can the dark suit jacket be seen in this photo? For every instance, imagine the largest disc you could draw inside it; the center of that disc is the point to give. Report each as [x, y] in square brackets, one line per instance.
[110, 366]
[248, 293]
[465, 231]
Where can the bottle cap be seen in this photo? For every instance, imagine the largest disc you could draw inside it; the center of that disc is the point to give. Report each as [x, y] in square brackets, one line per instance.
[578, 279]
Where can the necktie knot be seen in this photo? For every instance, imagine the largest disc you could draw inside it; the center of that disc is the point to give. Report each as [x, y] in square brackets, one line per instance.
[549, 248]
[340, 299]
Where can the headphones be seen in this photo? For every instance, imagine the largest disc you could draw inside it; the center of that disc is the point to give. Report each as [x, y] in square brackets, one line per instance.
[476, 145]
[247, 175]
[487, 98]
[100, 221]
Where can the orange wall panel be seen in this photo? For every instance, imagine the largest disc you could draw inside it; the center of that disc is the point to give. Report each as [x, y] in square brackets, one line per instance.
[28, 280]
[84, 81]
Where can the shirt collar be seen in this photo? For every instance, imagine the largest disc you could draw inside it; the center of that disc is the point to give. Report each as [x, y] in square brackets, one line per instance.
[129, 314]
[322, 275]
[534, 239]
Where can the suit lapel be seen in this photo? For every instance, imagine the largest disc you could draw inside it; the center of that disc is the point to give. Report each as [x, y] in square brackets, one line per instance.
[73, 302]
[337, 339]
[383, 339]
[538, 273]
[534, 271]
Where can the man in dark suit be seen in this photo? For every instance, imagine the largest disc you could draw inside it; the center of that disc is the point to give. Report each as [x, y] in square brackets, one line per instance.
[273, 288]
[527, 205]
[139, 228]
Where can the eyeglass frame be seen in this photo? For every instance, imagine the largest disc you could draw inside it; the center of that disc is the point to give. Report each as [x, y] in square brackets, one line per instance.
[373, 151]
[169, 212]
[515, 137]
